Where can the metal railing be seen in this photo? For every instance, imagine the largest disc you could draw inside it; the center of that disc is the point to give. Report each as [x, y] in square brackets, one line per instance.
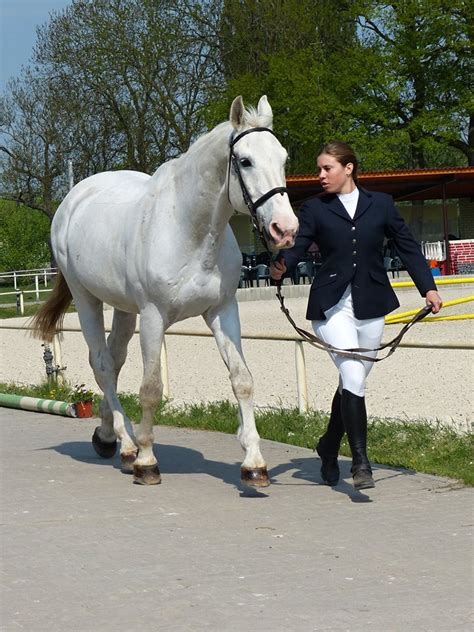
[35, 273]
[300, 362]
[20, 301]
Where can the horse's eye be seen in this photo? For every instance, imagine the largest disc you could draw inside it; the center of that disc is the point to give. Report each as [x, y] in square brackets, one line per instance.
[245, 162]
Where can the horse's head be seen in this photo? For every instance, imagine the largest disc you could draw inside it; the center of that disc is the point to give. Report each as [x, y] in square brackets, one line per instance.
[257, 174]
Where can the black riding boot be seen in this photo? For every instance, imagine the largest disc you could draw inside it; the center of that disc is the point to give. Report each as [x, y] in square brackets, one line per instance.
[328, 445]
[354, 416]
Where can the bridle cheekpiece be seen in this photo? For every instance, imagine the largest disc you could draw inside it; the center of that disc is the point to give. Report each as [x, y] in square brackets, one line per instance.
[234, 163]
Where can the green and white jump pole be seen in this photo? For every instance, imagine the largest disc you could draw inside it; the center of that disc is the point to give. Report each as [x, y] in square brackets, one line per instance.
[33, 403]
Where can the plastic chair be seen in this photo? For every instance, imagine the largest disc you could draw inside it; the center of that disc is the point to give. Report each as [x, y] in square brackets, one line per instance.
[244, 277]
[304, 270]
[261, 272]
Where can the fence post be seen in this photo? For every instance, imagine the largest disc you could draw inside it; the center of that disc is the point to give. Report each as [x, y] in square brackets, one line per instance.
[301, 383]
[20, 303]
[58, 360]
[164, 369]
[37, 287]
[45, 278]
[14, 281]
[70, 172]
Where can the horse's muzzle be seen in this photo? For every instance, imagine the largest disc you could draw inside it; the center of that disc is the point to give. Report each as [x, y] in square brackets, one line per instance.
[282, 238]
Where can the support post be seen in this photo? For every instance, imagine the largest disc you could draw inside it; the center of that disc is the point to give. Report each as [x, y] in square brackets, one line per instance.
[58, 361]
[446, 237]
[20, 303]
[164, 369]
[301, 383]
[37, 287]
[70, 174]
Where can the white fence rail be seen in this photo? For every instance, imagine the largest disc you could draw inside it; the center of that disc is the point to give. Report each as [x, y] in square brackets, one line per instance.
[300, 363]
[36, 273]
[434, 250]
[19, 295]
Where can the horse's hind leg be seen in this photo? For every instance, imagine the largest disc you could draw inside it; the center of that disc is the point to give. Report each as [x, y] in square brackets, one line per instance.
[90, 311]
[225, 326]
[104, 439]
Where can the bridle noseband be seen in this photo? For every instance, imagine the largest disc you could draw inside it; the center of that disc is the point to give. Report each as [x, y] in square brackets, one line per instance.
[252, 206]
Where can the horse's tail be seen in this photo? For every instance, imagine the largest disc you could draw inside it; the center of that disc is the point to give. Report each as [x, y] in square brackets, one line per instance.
[48, 321]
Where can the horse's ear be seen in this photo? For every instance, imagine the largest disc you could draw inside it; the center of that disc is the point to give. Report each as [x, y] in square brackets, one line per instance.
[237, 113]
[264, 109]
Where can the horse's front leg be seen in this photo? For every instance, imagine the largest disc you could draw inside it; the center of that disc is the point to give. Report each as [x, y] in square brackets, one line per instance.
[225, 326]
[145, 467]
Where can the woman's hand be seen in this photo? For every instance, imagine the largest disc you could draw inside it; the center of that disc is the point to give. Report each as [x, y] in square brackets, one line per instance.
[277, 269]
[435, 300]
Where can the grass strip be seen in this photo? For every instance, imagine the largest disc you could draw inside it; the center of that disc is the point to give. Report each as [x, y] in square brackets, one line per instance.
[418, 445]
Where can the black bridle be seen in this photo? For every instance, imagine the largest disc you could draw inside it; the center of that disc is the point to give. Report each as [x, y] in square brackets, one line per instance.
[252, 206]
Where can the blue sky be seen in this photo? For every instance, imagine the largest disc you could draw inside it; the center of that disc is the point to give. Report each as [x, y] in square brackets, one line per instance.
[18, 22]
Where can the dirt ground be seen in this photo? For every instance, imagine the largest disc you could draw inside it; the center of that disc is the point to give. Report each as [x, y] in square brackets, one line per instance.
[435, 384]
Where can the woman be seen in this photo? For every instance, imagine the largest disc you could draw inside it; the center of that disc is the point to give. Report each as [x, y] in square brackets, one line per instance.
[351, 293]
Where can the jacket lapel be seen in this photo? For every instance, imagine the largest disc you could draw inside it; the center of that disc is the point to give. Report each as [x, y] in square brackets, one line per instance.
[363, 203]
[334, 204]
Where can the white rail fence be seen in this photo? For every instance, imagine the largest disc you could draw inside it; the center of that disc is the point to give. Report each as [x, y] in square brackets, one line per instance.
[36, 273]
[434, 250]
[58, 370]
[43, 275]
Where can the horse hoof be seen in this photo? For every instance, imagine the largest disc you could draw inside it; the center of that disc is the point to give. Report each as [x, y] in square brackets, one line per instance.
[105, 449]
[255, 477]
[146, 474]
[127, 459]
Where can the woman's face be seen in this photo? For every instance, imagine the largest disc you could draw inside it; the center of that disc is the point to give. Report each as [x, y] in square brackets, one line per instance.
[334, 177]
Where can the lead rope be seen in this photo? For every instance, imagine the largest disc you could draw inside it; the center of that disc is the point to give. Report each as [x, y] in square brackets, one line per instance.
[357, 352]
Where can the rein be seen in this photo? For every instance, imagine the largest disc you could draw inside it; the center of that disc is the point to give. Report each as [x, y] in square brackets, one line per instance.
[355, 353]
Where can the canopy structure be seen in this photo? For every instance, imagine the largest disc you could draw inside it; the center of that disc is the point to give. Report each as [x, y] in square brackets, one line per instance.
[413, 184]
[404, 185]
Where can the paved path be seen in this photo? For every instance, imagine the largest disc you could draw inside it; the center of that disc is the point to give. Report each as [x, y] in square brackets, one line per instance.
[83, 549]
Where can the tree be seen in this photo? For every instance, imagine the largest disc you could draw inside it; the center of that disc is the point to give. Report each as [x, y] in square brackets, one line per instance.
[143, 64]
[394, 79]
[24, 238]
[420, 88]
[32, 124]
[289, 50]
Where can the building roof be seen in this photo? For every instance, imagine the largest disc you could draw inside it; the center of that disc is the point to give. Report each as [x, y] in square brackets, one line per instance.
[408, 184]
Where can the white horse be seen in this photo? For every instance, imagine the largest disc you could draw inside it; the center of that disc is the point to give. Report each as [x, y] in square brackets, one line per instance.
[160, 246]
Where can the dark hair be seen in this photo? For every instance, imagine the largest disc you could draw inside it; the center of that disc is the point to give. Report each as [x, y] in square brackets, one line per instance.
[343, 153]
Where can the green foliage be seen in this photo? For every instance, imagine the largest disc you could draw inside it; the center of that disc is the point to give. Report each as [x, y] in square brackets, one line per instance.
[24, 237]
[419, 83]
[393, 79]
[131, 83]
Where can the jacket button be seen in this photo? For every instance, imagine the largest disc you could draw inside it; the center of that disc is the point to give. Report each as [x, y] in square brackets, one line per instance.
[353, 228]
[354, 265]
[354, 252]
[354, 241]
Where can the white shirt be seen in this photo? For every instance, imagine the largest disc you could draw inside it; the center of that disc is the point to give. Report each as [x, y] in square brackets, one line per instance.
[349, 200]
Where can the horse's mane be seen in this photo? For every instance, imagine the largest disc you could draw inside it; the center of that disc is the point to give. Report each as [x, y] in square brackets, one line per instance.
[251, 119]
[254, 119]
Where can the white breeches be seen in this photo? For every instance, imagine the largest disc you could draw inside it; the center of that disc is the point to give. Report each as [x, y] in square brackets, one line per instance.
[343, 330]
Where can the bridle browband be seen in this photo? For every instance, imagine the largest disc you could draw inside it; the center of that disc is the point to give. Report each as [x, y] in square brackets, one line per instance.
[234, 163]
[356, 353]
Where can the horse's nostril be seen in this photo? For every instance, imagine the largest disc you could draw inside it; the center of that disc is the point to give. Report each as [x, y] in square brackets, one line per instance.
[275, 230]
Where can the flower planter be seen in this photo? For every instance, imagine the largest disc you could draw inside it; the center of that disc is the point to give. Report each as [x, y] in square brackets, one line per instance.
[83, 409]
